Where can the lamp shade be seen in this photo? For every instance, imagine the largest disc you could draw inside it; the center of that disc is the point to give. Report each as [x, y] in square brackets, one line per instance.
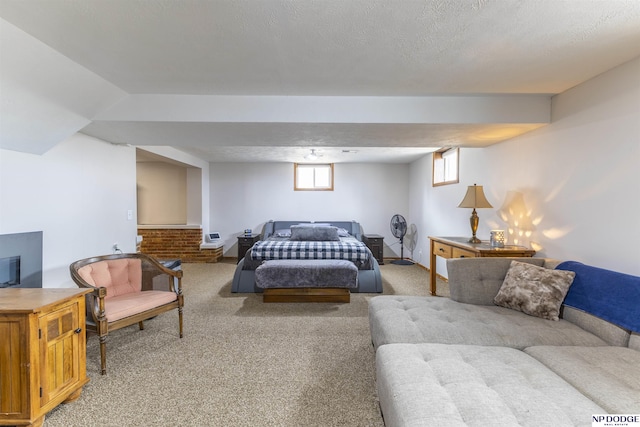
[474, 198]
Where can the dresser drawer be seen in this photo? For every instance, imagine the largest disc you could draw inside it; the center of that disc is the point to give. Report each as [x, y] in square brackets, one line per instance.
[442, 250]
[461, 253]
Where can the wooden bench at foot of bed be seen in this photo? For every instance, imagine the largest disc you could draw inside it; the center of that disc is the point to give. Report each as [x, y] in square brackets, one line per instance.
[317, 280]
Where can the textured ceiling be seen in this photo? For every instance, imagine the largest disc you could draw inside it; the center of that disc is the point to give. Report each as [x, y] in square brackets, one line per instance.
[330, 48]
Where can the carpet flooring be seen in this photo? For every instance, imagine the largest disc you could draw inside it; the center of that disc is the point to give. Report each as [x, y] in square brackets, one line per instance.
[241, 362]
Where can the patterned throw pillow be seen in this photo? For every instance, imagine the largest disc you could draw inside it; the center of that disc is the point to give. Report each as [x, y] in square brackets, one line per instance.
[534, 290]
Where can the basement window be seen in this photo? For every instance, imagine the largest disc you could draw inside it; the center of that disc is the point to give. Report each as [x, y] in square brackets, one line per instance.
[313, 177]
[445, 166]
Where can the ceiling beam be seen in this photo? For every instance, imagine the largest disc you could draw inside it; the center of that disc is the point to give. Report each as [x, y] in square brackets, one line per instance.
[474, 109]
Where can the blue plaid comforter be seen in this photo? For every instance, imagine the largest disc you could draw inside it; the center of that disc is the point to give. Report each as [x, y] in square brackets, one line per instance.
[349, 250]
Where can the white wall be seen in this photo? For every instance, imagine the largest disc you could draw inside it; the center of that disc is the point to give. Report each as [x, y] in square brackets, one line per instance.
[194, 195]
[579, 178]
[162, 193]
[78, 193]
[246, 195]
[197, 197]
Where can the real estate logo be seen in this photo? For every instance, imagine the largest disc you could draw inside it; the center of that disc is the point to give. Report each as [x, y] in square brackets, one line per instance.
[615, 420]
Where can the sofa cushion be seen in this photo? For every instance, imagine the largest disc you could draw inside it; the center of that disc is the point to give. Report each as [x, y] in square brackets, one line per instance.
[610, 332]
[119, 276]
[126, 305]
[460, 385]
[426, 319]
[534, 290]
[610, 376]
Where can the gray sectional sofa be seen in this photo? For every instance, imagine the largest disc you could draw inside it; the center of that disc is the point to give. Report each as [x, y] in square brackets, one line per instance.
[464, 361]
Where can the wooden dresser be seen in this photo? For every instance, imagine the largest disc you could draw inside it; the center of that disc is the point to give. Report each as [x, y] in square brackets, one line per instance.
[42, 353]
[459, 247]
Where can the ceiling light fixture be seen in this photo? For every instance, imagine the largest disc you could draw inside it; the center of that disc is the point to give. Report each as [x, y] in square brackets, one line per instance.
[312, 155]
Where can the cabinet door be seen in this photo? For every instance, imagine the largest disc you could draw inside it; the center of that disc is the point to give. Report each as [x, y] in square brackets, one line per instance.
[59, 351]
[14, 362]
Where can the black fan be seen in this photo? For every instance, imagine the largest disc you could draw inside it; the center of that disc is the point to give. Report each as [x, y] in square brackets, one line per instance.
[399, 229]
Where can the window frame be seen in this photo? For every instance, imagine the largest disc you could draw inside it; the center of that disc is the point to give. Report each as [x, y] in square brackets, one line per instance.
[329, 166]
[439, 174]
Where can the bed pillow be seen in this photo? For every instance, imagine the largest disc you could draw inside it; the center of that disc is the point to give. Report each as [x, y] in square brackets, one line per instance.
[534, 290]
[321, 234]
[284, 232]
[342, 232]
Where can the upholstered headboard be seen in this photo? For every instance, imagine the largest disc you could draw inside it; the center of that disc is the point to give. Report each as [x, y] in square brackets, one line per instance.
[271, 226]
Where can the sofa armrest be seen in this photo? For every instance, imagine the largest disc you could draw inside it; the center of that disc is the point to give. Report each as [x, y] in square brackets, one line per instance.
[478, 280]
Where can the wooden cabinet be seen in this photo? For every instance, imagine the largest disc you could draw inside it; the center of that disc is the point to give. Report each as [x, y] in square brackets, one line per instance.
[245, 242]
[459, 247]
[375, 243]
[43, 352]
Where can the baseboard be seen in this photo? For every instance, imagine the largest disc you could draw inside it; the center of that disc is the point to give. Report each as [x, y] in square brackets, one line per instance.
[444, 279]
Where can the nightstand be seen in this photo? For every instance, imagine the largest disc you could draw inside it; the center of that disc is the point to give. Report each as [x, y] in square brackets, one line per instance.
[245, 242]
[375, 243]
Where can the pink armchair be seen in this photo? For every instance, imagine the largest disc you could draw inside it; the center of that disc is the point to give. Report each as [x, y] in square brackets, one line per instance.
[127, 289]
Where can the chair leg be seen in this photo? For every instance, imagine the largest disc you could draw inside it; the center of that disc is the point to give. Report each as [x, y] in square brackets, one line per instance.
[103, 354]
[141, 325]
[180, 319]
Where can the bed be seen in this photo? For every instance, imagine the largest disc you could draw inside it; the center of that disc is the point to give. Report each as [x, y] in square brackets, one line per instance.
[277, 243]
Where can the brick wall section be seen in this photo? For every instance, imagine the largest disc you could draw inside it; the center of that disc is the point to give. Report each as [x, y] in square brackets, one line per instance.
[172, 243]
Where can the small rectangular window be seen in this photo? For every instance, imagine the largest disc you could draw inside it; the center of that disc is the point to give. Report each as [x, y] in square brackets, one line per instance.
[445, 166]
[313, 177]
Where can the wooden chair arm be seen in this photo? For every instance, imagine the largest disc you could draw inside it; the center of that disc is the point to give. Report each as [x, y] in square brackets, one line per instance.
[95, 301]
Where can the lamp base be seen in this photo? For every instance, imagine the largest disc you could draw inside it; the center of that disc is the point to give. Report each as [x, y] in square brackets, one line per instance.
[473, 221]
